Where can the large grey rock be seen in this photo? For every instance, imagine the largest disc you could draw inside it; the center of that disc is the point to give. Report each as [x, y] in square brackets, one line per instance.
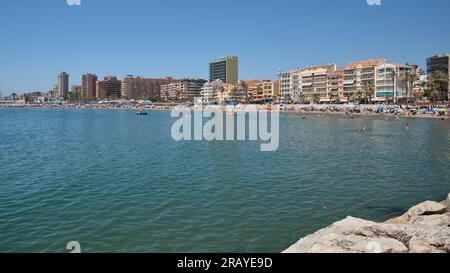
[426, 208]
[404, 219]
[344, 227]
[447, 246]
[432, 220]
[336, 243]
[448, 201]
[425, 228]
[418, 214]
[436, 236]
[421, 245]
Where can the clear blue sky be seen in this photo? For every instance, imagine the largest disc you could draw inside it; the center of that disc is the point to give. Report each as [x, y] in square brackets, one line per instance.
[154, 38]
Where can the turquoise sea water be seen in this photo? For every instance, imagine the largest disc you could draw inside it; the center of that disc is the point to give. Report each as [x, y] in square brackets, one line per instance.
[116, 182]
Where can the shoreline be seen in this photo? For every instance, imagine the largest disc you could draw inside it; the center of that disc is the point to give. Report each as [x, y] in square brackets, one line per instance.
[378, 115]
[321, 114]
[424, 228]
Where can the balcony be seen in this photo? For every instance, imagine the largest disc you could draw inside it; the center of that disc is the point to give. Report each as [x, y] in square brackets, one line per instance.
[349, 82]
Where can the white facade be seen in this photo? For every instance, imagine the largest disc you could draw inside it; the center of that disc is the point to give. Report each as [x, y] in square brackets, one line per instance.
[50, 100]
[285, 86]
[211, 90]
[390, 81]
[307, 81]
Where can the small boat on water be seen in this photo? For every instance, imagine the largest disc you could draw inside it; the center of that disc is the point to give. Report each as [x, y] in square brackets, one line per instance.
[141, 112]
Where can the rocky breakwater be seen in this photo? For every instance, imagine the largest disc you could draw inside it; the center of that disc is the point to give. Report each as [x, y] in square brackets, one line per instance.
[425, 228]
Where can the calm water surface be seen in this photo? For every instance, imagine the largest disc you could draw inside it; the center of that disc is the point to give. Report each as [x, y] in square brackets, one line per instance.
[116, 182]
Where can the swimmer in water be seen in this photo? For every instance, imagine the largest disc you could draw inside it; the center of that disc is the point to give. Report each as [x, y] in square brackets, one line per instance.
[407, 126]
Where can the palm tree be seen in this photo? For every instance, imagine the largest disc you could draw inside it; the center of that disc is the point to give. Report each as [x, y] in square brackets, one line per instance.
[369, 90]
[394, 84]
[251, 98]
[359, 94]
[316, 97]
[243, 86]
[302, 97]
[234, 93]
[259, 91]
[333, 97]
[349, 96]
[220, 90]
[409, 78]
[288, 98]
[435, 81]
[14, 96]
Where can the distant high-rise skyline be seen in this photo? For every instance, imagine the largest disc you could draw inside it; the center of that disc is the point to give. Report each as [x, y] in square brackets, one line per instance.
[143, 88]
[225, 69]
[88, 86]
[63, 84]
[109, 87]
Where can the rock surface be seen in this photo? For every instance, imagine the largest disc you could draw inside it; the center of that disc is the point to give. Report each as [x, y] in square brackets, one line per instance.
[448, 201]
[425, 228]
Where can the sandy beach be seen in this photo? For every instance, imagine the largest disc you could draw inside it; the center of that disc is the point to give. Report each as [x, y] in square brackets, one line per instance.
[321, 111]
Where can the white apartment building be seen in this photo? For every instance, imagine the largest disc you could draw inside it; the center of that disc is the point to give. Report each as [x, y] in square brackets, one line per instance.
[306, 83]
[216, 91]
[183, 90]
[328, 83]
[358, 74]
[390, 83]
[286, 93]
[315, 82]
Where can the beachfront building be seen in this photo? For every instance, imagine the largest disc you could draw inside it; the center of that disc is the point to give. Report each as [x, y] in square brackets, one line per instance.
[191, 88]
[88, 86]
[390, 82]
[49, 99]
[275, 89]
[224, 69]
[271, 89]
[314, 82]
[143, 88]
[108, 88]
[170, 91]
[295, 84]
[418, 72]
[359, 74]
[362, 80]
[182, 90]
[75, 89]
[440, 64]
[218, 92]
[63, 84]
[254, 89]
[335, 86]
[306, 84]
[240, 93]
[75, 92]
[285, 87]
